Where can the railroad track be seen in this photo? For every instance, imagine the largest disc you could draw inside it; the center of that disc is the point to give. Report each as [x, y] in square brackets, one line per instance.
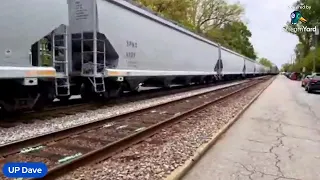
[60, 109]
[66, 150]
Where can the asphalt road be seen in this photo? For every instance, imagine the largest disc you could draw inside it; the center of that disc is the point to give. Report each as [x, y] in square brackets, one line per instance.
[277, 138]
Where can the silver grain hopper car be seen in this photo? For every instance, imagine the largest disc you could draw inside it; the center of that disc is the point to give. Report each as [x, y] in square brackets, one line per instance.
[99, 48]
[274, 70]
[250, 67]
[23, 83]
[112, 50]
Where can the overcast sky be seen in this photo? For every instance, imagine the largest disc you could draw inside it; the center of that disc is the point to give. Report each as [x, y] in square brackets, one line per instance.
[266, 20]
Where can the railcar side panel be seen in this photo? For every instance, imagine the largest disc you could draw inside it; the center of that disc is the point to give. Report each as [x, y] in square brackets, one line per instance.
[259, 68]
[257, 65]
[232, 63]
[25, 22]
[263, 69]
[267, 70]
[144, 44]
[249, 67]
[274, 70]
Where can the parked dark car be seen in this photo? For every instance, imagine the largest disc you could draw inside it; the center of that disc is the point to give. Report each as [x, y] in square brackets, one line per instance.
[294, 76]
[313, 84]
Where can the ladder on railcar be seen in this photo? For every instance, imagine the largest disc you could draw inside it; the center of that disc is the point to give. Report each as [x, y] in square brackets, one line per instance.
[93, 60]
[60, 61]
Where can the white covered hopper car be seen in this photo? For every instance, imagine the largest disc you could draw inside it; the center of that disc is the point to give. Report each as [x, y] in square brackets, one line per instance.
[59, 48]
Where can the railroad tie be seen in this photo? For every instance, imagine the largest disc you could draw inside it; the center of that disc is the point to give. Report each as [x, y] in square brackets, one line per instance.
[83, 150]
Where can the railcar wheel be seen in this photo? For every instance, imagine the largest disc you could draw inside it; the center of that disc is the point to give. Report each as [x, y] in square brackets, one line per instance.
[117, 92]
[46, 97]
[3, 112]
[86, 92]
[309, 90]
[166, 84]
[40, 103]
[136, 89]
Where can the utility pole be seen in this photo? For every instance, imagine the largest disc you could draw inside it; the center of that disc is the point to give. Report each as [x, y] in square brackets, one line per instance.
[315, 48]
[292, 60]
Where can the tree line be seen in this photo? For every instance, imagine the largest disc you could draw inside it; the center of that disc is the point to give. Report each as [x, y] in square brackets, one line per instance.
[216, 20]
[304, 53]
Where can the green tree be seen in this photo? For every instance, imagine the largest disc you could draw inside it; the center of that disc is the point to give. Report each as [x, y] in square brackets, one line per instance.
[237, 37]
[216, 20]
[176, 10]
[211, 14]
[265, 62]
[234, 36]
[299, 51]
[313, 19]
[285, 67]
[307, 62]
[306, 39]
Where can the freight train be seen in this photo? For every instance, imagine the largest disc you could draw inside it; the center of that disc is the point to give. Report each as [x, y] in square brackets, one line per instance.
[100, 48]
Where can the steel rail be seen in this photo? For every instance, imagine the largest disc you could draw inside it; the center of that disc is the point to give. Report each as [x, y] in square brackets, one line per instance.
[114, 147]
[16, 146]
[58, 109]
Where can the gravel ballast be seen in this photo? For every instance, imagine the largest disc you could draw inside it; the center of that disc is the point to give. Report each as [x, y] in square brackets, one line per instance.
[156, 157]
[55, 124]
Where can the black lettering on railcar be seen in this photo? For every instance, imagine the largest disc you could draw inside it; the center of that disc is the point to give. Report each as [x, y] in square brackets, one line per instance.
[132, 44]
[130, 55]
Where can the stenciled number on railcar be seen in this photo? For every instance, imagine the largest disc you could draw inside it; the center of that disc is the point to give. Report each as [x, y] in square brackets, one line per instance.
[130, 53]
[132, 44]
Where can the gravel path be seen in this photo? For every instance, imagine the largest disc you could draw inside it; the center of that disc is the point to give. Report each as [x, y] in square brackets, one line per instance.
[159, 155]
[46, 126]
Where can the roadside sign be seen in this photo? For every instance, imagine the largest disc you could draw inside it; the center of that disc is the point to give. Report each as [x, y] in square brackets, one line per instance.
[304, 69]
[317, 32]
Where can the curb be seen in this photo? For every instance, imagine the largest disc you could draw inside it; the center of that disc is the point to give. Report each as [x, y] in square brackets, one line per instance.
[184, 169]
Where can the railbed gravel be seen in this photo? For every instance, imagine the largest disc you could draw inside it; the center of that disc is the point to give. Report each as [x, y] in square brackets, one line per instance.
[54, 124]
[156, 157]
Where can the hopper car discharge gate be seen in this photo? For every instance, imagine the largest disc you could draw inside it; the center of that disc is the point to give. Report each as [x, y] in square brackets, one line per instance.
[93, 67]
[88, 45]
[92, 55]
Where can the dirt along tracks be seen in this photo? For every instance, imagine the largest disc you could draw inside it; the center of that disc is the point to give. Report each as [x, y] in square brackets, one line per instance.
[277, 138]
[158, 156]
